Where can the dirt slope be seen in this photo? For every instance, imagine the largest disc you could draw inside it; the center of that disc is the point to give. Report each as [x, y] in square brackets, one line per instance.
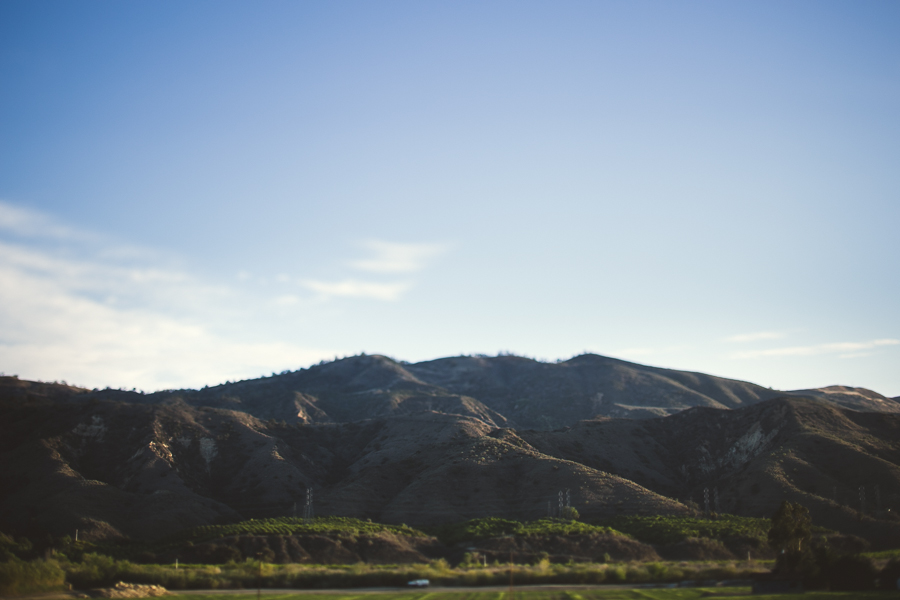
[143, 469]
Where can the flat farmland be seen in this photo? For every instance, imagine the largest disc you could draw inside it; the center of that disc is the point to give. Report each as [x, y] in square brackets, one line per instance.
[595, 593]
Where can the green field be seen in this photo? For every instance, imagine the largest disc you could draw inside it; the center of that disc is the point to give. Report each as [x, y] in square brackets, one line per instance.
[578, 594]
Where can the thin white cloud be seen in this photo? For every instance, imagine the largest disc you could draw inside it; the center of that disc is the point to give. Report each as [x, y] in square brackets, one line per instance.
[84, 313]
[393, 257]
[755, 337]
[639, 352]
[287, 300]
[351, 288]
[636, 352]
[846, 349]
[24, 222]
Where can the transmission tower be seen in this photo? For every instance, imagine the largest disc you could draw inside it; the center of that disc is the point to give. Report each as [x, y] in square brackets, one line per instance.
[308, 509]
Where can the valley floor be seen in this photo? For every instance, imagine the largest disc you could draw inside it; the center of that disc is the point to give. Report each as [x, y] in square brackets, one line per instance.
[557, 593]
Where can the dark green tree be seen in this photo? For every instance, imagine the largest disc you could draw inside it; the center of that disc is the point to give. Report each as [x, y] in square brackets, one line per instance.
[790, 534]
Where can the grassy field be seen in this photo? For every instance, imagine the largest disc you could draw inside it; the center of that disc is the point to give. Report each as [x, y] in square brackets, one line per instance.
[580, 594]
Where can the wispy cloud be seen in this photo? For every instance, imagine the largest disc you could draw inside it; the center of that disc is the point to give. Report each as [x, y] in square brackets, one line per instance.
[385, 258]
[24, 222]
[845, 349]
[97, 313]
[394, 257]
[639, 352]
[351, 288]
[755, 337]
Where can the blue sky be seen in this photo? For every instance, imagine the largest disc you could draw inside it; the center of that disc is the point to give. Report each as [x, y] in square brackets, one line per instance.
[206, 191]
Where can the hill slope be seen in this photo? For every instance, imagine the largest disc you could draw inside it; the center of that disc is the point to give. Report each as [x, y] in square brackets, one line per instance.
[144, 469]
[502, 391]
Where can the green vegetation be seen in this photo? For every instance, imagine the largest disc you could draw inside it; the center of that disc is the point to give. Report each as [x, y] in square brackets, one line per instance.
[101, 571]
[19, 577]
[883, 555]
[575, 594]
[290, 526]
[671, 530]
[790, 534]
[26, 568]
[489, 527]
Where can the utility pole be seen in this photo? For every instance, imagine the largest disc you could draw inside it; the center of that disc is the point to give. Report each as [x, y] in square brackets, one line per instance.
[706, 500]
[295, 510]
[568, 499]
[560, 512]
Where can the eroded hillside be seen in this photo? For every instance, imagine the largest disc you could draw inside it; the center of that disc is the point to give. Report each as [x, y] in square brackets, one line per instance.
[143, 469]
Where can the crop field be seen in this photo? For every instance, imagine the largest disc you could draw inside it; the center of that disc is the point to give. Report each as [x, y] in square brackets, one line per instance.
[670, 530]
[493, 527]
[289, 526]
[662, 529]
[579, 594]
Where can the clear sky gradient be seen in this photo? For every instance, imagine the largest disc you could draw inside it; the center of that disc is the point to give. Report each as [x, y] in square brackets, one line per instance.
[194, 192]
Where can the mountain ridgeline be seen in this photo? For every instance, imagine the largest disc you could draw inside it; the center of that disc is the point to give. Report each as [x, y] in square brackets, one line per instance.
[444, 441]
[502, 391]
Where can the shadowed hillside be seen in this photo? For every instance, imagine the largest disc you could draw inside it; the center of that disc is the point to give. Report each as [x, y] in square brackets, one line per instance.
[116, 464]
[501, 391]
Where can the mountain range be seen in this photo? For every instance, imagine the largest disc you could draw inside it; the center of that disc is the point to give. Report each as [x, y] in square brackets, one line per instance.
[444, 441]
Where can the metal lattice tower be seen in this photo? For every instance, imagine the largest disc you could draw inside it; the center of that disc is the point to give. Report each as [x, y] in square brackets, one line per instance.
[308, 509]
[862, 499]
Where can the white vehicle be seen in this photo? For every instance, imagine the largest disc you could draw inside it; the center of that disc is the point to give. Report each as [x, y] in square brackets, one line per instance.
[418, 583]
